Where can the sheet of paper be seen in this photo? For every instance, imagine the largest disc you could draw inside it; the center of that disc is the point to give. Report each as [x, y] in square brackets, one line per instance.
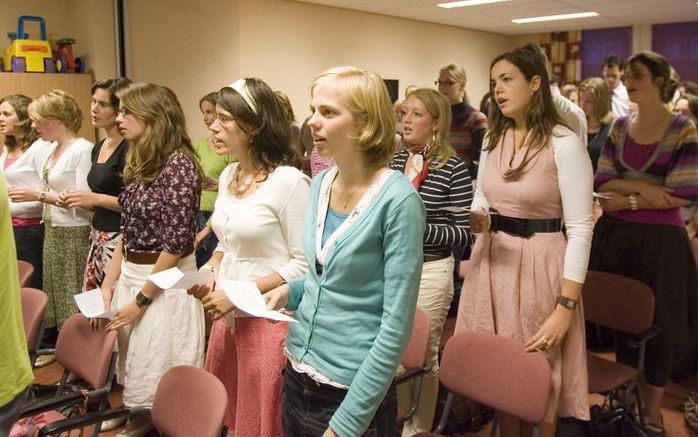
[454, 209]
[246, 297]
[600, 196]
[91, 304]
[175, 278]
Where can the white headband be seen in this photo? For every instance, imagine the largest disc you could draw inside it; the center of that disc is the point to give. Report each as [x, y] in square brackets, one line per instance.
[240, 86]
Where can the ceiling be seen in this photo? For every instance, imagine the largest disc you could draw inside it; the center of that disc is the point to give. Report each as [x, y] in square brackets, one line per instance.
[496, 17]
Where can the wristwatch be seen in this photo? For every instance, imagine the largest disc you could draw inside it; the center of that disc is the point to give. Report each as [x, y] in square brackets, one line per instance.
[142, 300]
[566, 302]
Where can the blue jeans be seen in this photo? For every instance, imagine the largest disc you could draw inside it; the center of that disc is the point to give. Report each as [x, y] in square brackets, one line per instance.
[204, 252]
[10, 412]
[308, 407]
[29, 241]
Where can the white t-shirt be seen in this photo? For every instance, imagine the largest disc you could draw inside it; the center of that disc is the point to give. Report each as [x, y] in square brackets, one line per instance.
[575, 180]
[70, 172]
[620, 102]
[22, 173]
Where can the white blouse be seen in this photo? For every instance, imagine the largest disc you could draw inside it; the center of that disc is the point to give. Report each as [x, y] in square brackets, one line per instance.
[22, 173]
[575, 180]
[70, 172]
[261, 233]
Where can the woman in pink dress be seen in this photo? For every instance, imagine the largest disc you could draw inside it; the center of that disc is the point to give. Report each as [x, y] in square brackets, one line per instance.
[526, 276]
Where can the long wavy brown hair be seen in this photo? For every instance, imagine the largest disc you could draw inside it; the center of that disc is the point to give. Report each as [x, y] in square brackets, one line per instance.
[165, 132]
[25, 135]
[541, 114]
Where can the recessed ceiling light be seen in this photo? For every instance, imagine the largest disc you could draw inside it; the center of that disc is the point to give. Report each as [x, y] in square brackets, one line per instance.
[555, 17]
[464, 3]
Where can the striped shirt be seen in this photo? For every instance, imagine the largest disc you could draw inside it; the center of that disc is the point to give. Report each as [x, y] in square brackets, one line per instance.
[448, 186]
[672, 163]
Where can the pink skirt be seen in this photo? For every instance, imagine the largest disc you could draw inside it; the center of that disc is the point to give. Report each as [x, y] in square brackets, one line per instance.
[511, 288]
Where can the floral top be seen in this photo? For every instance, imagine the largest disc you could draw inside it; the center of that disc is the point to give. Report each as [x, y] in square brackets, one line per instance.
[162, 216]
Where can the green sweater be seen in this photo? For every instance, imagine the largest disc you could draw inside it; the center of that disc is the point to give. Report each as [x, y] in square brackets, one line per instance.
[212, 165]
[355, 319]
[15, 370]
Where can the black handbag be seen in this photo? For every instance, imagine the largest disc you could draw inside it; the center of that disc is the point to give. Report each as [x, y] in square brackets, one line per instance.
[615, 420]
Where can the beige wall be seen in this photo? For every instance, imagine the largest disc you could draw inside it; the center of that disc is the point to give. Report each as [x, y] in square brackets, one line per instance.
[313, 38]
[185, 46]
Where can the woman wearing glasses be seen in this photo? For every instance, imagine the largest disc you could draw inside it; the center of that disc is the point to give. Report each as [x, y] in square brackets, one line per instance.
[468, 125]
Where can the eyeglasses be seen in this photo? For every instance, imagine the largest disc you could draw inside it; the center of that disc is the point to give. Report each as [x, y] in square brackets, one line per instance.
[444, 82]
[224, 119]
[123, 111]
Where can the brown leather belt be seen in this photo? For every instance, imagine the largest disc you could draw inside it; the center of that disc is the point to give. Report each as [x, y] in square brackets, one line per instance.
[429, 258]
[149, 257]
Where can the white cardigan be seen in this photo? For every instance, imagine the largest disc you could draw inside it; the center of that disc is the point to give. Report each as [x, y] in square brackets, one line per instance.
[70, 172]
[22, 173]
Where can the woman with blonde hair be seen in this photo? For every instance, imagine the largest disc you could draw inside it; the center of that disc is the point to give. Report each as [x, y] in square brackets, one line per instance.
[57, 119]
[595, 101]
[442, 180]
[333, 386]
[158, 329]
[19, 162]
[468, 125]
[525, 275]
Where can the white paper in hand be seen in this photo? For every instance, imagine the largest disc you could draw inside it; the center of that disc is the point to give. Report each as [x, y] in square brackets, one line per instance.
[246, 296]
[601, 196]
[91, 304]
[175, 278]
[455, 209]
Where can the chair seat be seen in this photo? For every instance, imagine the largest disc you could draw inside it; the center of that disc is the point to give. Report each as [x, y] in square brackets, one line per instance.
[605, 375]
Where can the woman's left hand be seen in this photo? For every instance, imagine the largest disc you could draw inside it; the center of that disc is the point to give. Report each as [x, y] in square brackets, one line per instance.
[129, 314]
[217, 303]
[552, 332]
[329, 433]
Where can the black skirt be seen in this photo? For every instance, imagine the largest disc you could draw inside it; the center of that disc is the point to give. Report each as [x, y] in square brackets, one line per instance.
[661, 257]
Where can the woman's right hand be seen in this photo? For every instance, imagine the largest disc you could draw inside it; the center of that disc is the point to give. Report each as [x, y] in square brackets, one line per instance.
[479, 221]
[23, 194]
[277, 299]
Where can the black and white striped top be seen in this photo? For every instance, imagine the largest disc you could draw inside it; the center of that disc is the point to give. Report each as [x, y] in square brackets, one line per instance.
[447, 186]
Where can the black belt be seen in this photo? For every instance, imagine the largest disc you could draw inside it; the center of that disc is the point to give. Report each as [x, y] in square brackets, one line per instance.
[522, 227]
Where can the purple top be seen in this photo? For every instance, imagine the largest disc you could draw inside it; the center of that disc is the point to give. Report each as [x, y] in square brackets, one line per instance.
[673, 163]
[162, 216]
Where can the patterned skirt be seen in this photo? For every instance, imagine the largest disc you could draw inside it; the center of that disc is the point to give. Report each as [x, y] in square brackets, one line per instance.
[102, 245]
[65, 252]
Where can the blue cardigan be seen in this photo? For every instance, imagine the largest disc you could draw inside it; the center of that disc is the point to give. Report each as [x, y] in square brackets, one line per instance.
[356, 316]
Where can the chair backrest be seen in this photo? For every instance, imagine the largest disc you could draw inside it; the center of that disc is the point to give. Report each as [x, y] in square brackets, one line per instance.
[189, 401]
[618, 302]
[26, 270]
[33, 305]
[415, 354]
[498, 372]
[85, 351]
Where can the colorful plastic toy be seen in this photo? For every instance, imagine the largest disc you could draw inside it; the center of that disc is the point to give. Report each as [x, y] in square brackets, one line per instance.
[65, 60]
[30, 55]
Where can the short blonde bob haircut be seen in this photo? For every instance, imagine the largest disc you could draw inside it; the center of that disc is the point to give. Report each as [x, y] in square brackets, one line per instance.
[438, 106]
[601, 96]
[364, 93]
[57, 105]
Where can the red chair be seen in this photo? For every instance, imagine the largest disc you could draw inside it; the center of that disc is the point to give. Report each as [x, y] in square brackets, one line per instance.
[414, 360]
[495, 371]
[33, 305]
[188, 402]
[86, 354]
[622, 304]
[26, 270]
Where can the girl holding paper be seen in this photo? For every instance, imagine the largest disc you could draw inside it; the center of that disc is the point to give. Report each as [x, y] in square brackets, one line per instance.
[158, 329]
[442, 180]
[363, 238]
[257, 217]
